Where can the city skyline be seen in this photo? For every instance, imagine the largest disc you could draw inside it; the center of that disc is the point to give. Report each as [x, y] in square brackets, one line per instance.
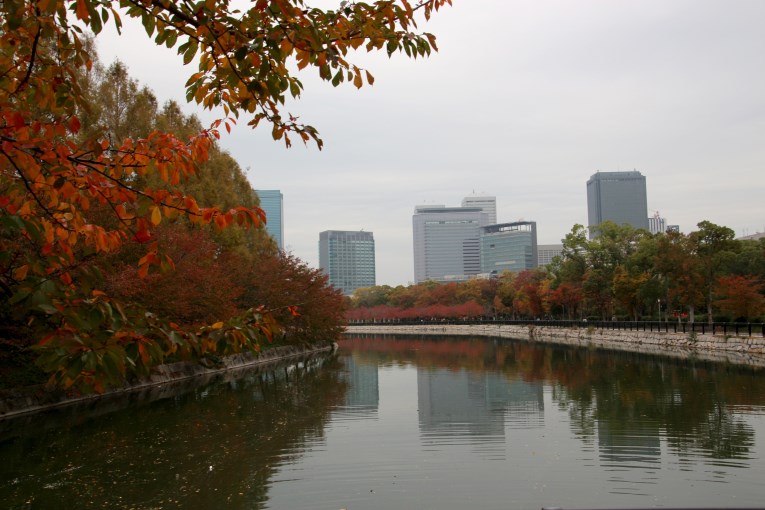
[545, 103]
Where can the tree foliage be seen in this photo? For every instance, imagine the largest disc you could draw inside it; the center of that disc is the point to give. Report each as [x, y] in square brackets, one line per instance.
[740, 296]
[88, 165]
[623, 272]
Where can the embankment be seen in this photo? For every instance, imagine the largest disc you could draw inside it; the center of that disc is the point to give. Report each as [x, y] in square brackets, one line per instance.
[740, 350]
[163, 381]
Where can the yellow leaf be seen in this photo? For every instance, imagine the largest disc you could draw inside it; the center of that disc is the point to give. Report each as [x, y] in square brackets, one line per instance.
[156, 216]
[217, 325]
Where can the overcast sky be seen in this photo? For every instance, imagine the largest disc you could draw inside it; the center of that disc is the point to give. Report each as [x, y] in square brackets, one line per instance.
[524, 101]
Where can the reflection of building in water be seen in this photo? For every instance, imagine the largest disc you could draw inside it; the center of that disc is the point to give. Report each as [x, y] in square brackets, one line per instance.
[475, 404]
[635, 444]
[631, 453]
[363, 388]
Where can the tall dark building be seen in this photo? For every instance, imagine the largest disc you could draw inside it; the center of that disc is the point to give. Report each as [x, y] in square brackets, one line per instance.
[619, 197]
[272, 203]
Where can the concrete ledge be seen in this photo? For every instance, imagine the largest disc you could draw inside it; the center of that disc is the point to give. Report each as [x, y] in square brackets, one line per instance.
[739, 350]
[31, 400]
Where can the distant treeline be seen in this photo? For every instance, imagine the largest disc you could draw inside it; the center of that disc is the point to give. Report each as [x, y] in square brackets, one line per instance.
[623, 273]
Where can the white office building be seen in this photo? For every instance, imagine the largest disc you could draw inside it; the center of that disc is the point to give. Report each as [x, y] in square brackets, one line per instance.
[447, 242]
[657, 224]
[486, 203]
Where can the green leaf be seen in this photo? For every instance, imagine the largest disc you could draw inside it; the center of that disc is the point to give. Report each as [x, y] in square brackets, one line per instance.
[190, 52]
[95, 24]
[75, 367]
[337, 79]
[172, 37]
[19, 296]
[149, 23]
[49, 309]
[113, 366]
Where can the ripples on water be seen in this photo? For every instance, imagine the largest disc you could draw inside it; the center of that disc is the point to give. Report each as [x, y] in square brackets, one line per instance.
[410, 423]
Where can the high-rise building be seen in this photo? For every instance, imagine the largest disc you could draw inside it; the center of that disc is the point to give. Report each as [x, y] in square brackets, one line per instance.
[486, 203]
[446, 242]
[619, 197]
[348, 259]
[546, 252]
[272, 203]
[657, 224]
[509, 247]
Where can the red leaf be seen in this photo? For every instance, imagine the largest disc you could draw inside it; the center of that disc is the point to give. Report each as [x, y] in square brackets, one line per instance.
[142, 236]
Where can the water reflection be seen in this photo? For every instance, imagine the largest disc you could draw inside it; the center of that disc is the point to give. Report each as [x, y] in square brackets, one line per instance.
[212, 447]
[448, 423]
[461, 405]
[637, 416]
[363, 395]
[645, 398]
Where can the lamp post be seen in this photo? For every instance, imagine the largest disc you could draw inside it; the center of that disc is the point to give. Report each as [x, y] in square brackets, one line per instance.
[658, 303]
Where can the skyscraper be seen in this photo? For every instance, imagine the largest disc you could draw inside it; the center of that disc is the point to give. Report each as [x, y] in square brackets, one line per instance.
[509, 247]
[486, 203]
[272, 203]
[348, 259]
[619, 197]
[446, 242]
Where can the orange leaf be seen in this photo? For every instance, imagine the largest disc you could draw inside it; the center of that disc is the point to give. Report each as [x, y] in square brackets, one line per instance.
[44, 340]
[143, 352]
[20, 273]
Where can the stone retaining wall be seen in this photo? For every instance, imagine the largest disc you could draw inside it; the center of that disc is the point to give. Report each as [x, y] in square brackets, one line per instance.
[741, 350]
[30, 400]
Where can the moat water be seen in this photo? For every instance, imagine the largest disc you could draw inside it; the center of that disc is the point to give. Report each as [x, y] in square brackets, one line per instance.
[410, 423]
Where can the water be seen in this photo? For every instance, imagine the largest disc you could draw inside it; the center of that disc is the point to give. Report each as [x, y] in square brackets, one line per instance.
[411, 423]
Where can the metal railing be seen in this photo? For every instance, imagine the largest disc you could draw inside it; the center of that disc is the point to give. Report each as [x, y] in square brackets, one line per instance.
[716, 328]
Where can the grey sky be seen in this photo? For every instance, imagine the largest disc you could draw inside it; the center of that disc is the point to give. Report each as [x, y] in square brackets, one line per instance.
[525, 100]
